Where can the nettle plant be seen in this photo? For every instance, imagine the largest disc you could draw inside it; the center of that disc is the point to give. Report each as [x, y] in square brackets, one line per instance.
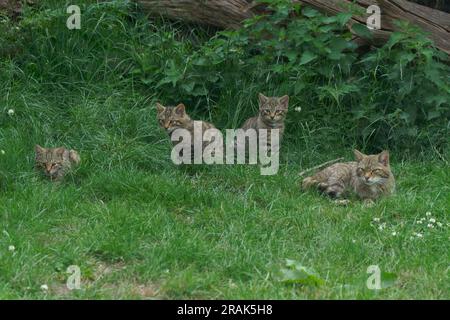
[408, 85]
[396, 92]
[269, 49]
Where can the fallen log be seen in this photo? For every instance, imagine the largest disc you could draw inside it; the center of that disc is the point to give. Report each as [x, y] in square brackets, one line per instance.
[231, 13]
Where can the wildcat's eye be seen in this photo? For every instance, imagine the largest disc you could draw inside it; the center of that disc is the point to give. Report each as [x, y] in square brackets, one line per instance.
[279, 112]
[266, 111]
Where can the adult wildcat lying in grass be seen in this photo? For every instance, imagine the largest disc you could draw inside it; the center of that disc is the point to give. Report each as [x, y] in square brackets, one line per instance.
[370, 177]
[56, 162]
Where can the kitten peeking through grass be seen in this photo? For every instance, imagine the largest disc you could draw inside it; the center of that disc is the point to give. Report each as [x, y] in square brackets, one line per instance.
[173, 118]
[370, 177]
[56, 162]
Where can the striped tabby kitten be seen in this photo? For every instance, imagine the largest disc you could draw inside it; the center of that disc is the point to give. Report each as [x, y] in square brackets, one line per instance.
[272, 112]
[370, 177]
[56, 162]
[172, 118]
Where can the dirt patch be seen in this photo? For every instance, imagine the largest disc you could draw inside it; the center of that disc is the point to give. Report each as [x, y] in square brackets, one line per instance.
[107, 280]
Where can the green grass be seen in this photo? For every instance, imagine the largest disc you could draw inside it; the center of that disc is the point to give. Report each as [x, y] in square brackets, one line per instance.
[130, 218]
[140, 227]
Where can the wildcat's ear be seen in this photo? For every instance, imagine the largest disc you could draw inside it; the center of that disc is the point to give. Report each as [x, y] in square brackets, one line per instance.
[359, 155]
[262, 99]
[159, 107]
[38, 149]
[284, 101]
[180, 109]
[61, 151]
[74, 157]
[383, 157]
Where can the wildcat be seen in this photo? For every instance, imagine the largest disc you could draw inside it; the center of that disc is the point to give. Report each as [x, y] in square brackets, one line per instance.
[171, 118]
[56, 162]
[272, 113]
[370, 177]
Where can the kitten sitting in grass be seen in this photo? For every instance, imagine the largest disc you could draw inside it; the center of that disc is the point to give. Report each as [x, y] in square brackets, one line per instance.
[370, 177]
[56, 162]
[271, 115]
[173, 118]
[272, 112]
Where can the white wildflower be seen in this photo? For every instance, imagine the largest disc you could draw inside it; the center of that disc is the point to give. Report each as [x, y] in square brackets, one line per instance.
[11, 112]
[419, 222]
[432, 220]
[439, 224]
[394, 233]
[44, 287]
[11, 248]
[376, 219]
[430, 225]
[2, 152]
[428, 213]
[298, 109]
[419, 235]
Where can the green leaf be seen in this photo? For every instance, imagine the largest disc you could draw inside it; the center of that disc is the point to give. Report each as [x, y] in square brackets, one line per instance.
[395, 38]
[298, 87]
[173, 74]
[291, 55]
[307, 57]
[331, 19]
[326, 28]
[188, 86]
[310, 12]
[199, 91]
[343, 18]
[362, 31]
[433, 115]
[200, 62]
[437, 100]
[295, 273]
[338, 44]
